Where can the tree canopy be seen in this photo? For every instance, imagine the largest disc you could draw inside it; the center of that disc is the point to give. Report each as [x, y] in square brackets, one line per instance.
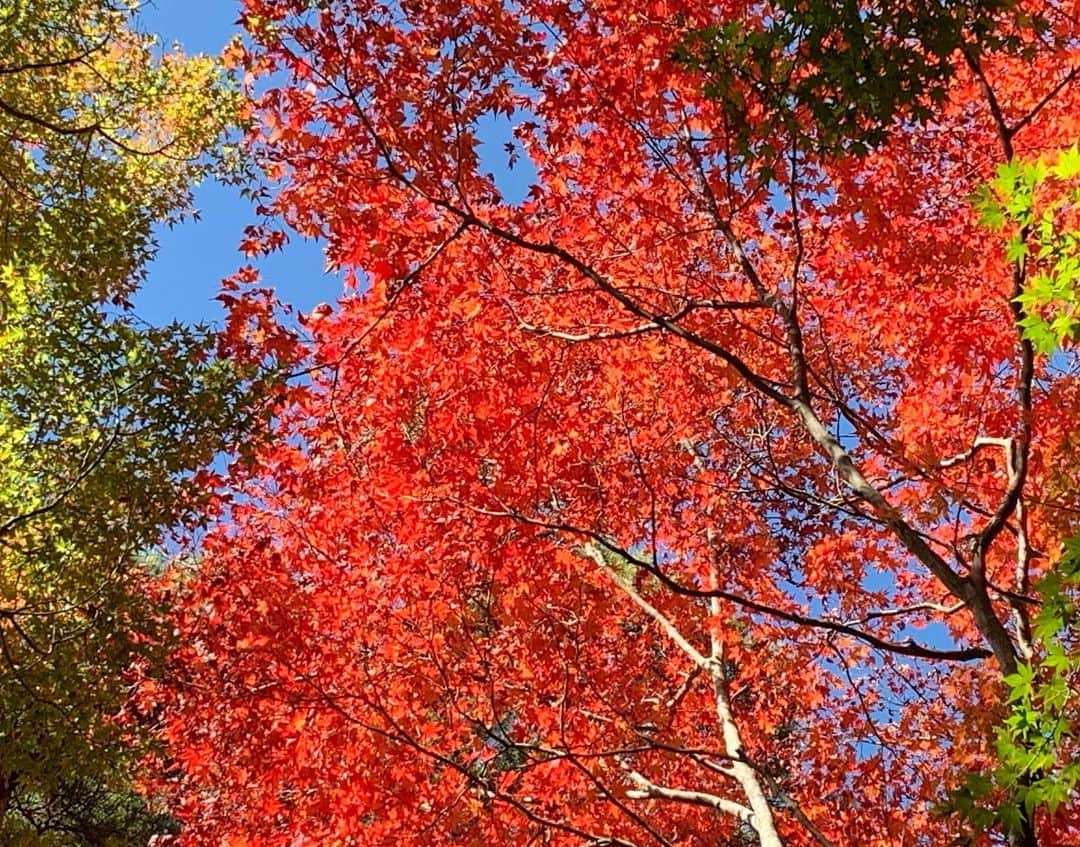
[711, 490]
[691, 457]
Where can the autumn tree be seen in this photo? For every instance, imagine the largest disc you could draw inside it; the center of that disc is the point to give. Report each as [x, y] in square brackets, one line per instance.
[695, 494]
[104, 420]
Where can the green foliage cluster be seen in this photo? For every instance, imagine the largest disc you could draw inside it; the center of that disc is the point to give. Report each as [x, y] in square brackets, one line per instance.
[84, 811]
[833, 76]
[102, 136]
[104, 421]
[1033, 205]
[1038, 756]
[1036, 204]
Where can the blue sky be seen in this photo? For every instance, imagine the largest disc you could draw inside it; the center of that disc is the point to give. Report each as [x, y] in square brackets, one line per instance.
[196, 255]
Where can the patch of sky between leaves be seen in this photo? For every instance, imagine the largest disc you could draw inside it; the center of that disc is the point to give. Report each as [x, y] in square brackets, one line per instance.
[195, 255]
[496, 135]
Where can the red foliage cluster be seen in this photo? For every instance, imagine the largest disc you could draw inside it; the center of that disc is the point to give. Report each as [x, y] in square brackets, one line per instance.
[661, 505]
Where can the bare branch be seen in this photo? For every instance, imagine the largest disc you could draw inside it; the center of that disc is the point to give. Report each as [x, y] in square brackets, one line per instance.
[647, 790]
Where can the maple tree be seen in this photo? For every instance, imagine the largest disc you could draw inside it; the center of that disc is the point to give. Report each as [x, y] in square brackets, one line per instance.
[104, 420]
[696, 494]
